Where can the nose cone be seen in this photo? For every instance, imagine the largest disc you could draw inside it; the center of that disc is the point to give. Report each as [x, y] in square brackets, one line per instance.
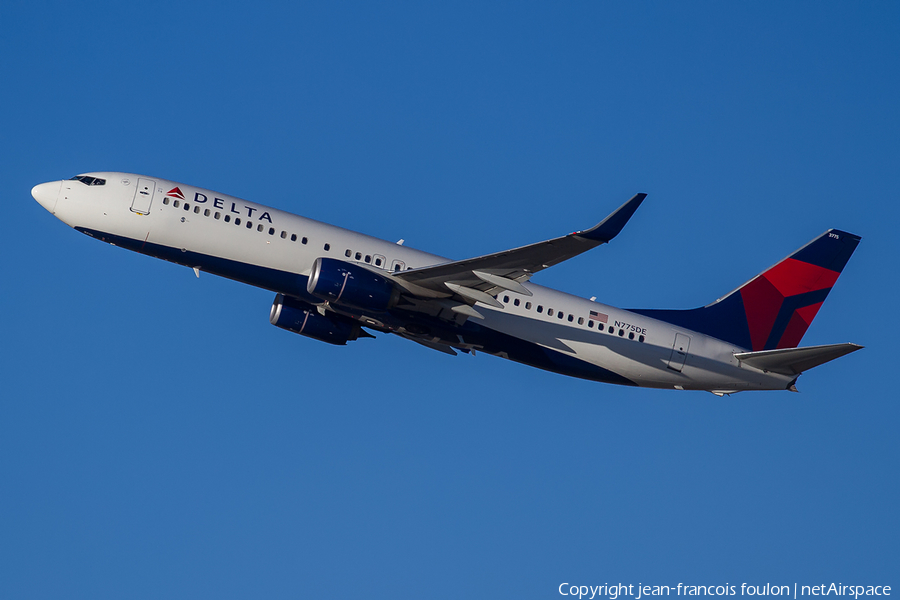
[46, 194]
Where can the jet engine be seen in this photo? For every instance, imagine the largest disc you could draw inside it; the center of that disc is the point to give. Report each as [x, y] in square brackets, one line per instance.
[351, 285]
[289, 314]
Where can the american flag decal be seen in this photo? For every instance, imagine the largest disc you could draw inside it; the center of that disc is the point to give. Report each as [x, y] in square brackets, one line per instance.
[599, 316]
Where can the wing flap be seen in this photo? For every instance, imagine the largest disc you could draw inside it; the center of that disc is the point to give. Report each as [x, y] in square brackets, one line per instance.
[793, 361]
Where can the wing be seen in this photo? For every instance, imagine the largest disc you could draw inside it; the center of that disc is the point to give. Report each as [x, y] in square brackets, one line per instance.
[476, 279]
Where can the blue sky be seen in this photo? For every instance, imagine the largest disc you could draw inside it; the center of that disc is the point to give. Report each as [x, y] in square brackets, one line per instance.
[160, 439]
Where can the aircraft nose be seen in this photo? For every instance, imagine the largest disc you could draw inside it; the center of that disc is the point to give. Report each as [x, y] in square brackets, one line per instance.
[46, 194]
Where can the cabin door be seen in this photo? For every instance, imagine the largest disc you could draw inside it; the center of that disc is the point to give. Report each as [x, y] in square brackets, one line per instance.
[143, 196]
[679, 351]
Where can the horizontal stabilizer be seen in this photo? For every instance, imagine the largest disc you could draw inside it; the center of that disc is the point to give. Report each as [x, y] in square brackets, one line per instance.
[793, 361]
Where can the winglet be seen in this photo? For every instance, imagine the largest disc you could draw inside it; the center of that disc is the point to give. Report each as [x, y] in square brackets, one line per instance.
[610, 227]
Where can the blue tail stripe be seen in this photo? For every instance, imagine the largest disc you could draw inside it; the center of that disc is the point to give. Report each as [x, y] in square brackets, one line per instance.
[724, 320]
[790, 304]
[829, 252]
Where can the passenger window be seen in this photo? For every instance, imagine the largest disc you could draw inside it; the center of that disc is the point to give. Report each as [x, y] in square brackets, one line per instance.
[621, 332]
[217, 215]
[641, 339]
[347, 252]
[196, 210]
[237, 220]
[630, 335]
[249, 224]
[327, 247]
[549, 312]
[294, 237]
[165, 200]
[591, 324]
[378, 261]
[540, 308]
[271, 231]
[260, 227]
[581, 320]
[358, 255]
[206, 213]
[176, 204]
[571, 318]
[187, 206]
[228, 218]
[611, 329]
[528, 306]
[560, 315]
[284, 235]
[368, 258]
[516, 301]
[506, 299]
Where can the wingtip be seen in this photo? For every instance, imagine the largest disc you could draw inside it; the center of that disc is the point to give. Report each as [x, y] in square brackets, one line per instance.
[612, 225]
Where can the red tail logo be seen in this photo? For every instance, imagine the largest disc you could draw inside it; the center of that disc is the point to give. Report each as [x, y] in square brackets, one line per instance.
[783, 301]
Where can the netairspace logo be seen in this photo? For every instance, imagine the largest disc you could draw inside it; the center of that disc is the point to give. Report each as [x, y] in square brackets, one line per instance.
[639, 591]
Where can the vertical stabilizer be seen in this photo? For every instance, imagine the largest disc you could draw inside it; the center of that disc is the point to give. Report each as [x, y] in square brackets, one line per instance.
[775, 308]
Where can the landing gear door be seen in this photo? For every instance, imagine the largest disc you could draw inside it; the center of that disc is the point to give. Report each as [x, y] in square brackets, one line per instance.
[679, 351]
[143, 196]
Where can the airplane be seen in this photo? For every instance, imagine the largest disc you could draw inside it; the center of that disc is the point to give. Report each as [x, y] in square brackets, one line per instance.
[334, 285]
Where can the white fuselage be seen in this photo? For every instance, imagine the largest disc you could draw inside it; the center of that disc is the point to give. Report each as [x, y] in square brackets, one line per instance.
[264, 246]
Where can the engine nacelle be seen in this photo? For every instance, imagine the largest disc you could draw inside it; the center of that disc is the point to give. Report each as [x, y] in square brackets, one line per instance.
[305, 320]
[351, 285]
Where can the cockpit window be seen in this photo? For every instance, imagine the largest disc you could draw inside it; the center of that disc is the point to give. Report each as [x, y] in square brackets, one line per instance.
[88, 180]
